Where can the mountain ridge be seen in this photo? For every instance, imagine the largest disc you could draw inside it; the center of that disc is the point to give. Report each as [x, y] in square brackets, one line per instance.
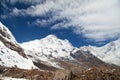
[51, 49]
[11, 53]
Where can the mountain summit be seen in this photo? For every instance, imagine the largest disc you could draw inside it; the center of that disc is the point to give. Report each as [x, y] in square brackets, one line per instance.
[48, 50]
[50, 45]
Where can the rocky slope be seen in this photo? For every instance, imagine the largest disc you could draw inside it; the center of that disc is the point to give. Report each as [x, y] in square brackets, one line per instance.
[34, 74]
[88, 60]
[11, 54]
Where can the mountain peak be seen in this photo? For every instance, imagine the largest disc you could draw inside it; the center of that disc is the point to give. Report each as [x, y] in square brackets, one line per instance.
[1, 23]
[51, 36]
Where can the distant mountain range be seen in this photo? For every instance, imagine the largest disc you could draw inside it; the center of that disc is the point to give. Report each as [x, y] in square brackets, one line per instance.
[51, 53]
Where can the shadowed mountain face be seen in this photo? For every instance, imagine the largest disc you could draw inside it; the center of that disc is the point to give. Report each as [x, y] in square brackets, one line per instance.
[87, 60]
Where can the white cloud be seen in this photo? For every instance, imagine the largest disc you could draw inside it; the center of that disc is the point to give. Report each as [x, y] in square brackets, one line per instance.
[38, 22]
[37, 10]
[24, 1]
[97, 20]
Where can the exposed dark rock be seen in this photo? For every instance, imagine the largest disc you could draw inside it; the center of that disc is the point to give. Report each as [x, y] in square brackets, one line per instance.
[42, 66]
[88, 60]
[13, 46]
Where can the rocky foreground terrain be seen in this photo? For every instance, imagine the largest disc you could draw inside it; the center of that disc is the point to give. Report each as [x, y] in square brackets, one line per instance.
[35, 74]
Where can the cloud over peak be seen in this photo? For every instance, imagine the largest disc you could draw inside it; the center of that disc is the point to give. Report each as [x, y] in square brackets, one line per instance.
[96, 20]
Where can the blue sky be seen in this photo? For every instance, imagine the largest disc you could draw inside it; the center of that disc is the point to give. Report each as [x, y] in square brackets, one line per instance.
[82, 22]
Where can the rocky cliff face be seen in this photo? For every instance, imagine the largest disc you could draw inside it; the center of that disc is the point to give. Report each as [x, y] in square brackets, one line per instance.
[9, 41]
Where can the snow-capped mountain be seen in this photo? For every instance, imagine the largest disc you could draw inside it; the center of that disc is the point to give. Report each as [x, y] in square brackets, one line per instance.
[109, 53]
[11, 54]
[50, 45]
[48, 49]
